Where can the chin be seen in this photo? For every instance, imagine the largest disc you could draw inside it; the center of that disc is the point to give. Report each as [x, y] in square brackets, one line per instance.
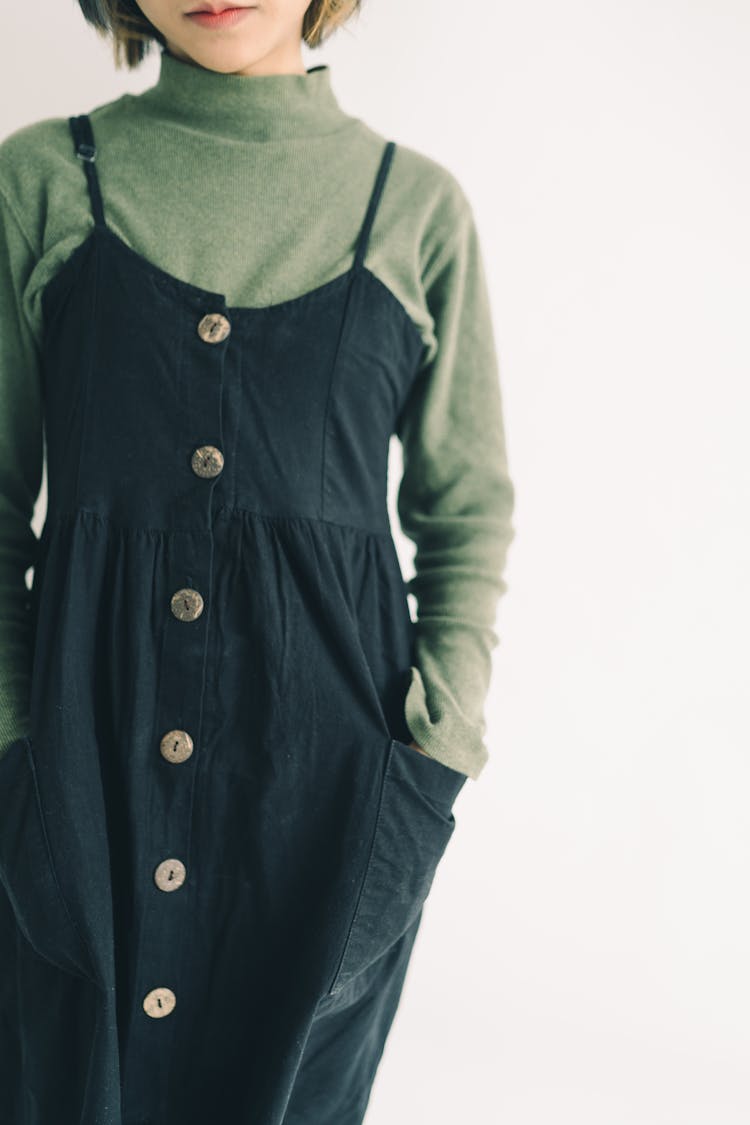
[224, 58]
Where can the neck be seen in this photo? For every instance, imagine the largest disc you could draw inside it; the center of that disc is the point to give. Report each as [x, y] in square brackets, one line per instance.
[257, 107]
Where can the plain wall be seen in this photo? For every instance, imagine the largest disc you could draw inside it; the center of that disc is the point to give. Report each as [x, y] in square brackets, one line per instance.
[583, 956]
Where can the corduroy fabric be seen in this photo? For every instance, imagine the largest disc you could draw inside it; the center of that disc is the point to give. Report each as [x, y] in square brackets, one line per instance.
[309, 830]
[255, 188]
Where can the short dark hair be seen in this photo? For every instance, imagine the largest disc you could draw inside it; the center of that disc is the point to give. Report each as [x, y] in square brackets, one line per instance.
[133, 34]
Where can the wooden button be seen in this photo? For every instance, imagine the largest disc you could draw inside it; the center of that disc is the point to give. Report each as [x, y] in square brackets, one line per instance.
[169, 875]
[207, 461]
[186, 604]
[213, 328]
[159, 1002]
[176, 746]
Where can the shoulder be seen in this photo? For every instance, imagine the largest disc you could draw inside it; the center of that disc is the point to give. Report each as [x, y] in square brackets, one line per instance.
[28, 150]
[34, 157]
[29, 159]
[443, 196]
[427, 201]
[42, 194]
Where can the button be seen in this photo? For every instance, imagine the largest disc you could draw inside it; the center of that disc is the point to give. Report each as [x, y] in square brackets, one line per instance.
[213, 328]
[176, 746]
[207, 461]
[186, 604]
[169, 875]
[159, 1002]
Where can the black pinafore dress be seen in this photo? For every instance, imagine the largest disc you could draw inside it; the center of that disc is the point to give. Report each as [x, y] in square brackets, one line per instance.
[216, 842]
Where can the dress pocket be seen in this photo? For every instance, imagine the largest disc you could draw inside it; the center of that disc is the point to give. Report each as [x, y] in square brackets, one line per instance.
[27, 869]
[413, 825]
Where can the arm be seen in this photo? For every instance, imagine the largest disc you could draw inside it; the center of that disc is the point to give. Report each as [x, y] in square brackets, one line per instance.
[455, 502]
[21, 463]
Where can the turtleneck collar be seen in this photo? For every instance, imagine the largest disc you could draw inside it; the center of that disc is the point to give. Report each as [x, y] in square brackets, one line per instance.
[258, 107]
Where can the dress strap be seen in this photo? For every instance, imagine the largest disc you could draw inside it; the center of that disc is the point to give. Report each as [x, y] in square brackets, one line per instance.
[85, 149]
[372, 207]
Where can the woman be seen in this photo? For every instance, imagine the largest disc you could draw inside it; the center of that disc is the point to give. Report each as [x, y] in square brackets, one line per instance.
[229, 755]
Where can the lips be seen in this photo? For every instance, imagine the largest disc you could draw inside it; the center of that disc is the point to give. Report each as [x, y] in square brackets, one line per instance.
[215, 10]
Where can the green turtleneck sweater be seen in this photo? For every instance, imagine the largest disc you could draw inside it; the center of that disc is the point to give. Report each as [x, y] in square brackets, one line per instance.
[256, 187]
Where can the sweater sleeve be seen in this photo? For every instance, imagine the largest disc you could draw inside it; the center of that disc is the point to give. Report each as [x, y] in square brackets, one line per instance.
[455, 502]
[21, 466]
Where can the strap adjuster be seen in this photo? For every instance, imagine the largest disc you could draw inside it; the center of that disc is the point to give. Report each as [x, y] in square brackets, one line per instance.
[86, 152]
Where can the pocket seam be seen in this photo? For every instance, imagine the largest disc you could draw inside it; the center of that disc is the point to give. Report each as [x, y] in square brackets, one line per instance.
[332, 989]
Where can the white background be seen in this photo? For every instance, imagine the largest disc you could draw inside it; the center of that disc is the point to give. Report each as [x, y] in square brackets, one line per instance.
[584, 952]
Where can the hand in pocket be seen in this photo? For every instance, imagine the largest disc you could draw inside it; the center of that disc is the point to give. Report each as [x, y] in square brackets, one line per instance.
[419, 748]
